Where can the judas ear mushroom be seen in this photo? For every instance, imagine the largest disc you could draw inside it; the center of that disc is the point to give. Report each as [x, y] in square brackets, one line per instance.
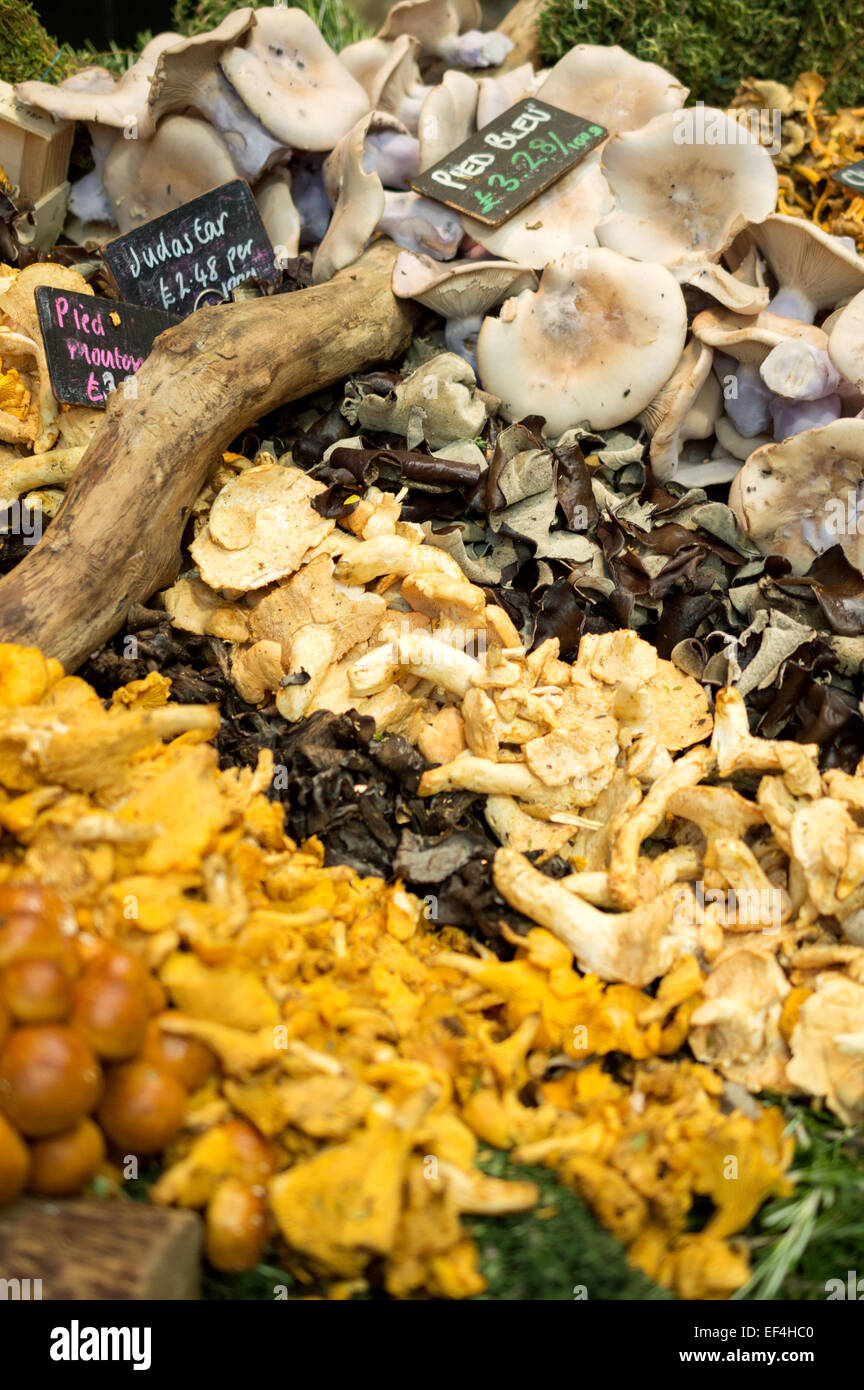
[792, 498]
[609, 85]
[716, 190]
[846, 341]
[551, 353]
[145, 178]
[685, 408]
[813, 269]
[566, 215]
[293, 82]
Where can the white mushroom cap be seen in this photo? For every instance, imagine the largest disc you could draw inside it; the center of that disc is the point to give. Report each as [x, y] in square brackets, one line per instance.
[359, 208]
[594, 344]
[145, 178]
[498, 94]
[85, 96]
[792, 498]
[459, 289]
[679, 202]
[293, 82]
[814, 270]
[609, 85]
[552, 224]
[729, 290]
[447, 116]
[397, 86]
[180, 68]
[685, 408]
[846, 341]
[749, 339]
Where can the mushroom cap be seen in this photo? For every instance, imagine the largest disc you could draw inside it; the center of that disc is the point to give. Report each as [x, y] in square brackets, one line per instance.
[809, 260]
[595, 342]
[181, 68]
[359, 208]
[749, 339]
[846, 341]
[498, 94]
[680, 202]
[670, 413]
[562, 217]
[800, 372]
[145, 178]
[732, 291]
[792, 498]
[458, 289]
[293, 82]
[123, 104]
[333, 168]
[447, 116]
[609, 85]
[429, 21]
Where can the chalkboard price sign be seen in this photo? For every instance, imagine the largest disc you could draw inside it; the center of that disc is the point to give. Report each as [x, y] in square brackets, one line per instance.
[212, 243]
[510, 161]
[851, 177]
[93, 345]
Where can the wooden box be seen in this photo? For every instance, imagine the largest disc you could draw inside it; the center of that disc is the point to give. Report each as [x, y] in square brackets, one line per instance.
[34, 150]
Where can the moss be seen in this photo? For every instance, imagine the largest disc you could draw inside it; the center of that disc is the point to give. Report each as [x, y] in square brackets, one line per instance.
[711, 47]
[26, 49]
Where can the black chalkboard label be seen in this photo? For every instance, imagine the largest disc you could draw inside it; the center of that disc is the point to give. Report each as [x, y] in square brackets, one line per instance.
[213, 243]
[93, 345]
[851, 177]
[510, 161]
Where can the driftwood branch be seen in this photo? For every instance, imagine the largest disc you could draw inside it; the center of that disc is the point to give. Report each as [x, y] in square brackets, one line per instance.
[116, 538]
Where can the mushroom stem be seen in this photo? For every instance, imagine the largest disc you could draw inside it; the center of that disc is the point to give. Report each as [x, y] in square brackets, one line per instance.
[420, 225]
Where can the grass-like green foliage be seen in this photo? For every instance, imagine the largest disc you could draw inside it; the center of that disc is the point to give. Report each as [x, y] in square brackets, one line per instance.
[338, 22]
[711, 47]
[800, 1242]
[26, 49]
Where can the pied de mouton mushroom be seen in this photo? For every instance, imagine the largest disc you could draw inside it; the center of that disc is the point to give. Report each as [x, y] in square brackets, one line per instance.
[447, 29]
[686, 407]
[358, 208]
[813, 269]
[462, 292]
[594, 344]
[563, 217]
[681, 203]
[188, 79]
[793, 498]
[607, 84]
[145, 178]
[291, 79]
[846, 341]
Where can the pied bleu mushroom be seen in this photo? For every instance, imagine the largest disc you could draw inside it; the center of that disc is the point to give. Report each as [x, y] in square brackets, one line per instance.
[145, 178]
[607, 84]
[447, 117]
[555, 222]
[686, 407]
[310, 197]
[396, 86]
[748, 339]
[792, 498]
[804, 384]
[419, 224]
[681, 203]
[358, 208]
[462, 292]
[594, 344]
[846, 341]
[497, 94]
[738, 446]
[448, 29]
[123, 106]
[279, 213]
[813, 269]
[289, 77]
[388, 151]
[188, 80]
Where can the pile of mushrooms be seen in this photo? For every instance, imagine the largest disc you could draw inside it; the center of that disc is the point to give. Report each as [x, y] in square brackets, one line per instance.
[687, 835]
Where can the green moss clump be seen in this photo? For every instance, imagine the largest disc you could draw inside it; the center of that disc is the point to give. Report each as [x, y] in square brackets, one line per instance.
[711, 48]
[338, 22]
[27, 51]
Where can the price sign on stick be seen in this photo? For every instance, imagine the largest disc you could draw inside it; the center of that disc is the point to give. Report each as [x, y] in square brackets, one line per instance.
[213, 243]
[851, 177]
[93, 345]
[504, 166]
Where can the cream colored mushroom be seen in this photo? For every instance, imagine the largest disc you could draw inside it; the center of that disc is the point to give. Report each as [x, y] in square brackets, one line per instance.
[846, 341]
[554, 222]
[813, 269]
[636, 825]
[737, 1026]
[278, 213]
[793, 498]
[359, 207]
[686, 407]
[37, 470]
[551, 353]
[634, 947]
[257, 671]
[145, 178]
[497, 94]
[737, 750]
[123, 105]
[682, 203]
[419, 654]
[607, 84]
[447, 117]
[826, 1044]
[193, 607]
[293, 82]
